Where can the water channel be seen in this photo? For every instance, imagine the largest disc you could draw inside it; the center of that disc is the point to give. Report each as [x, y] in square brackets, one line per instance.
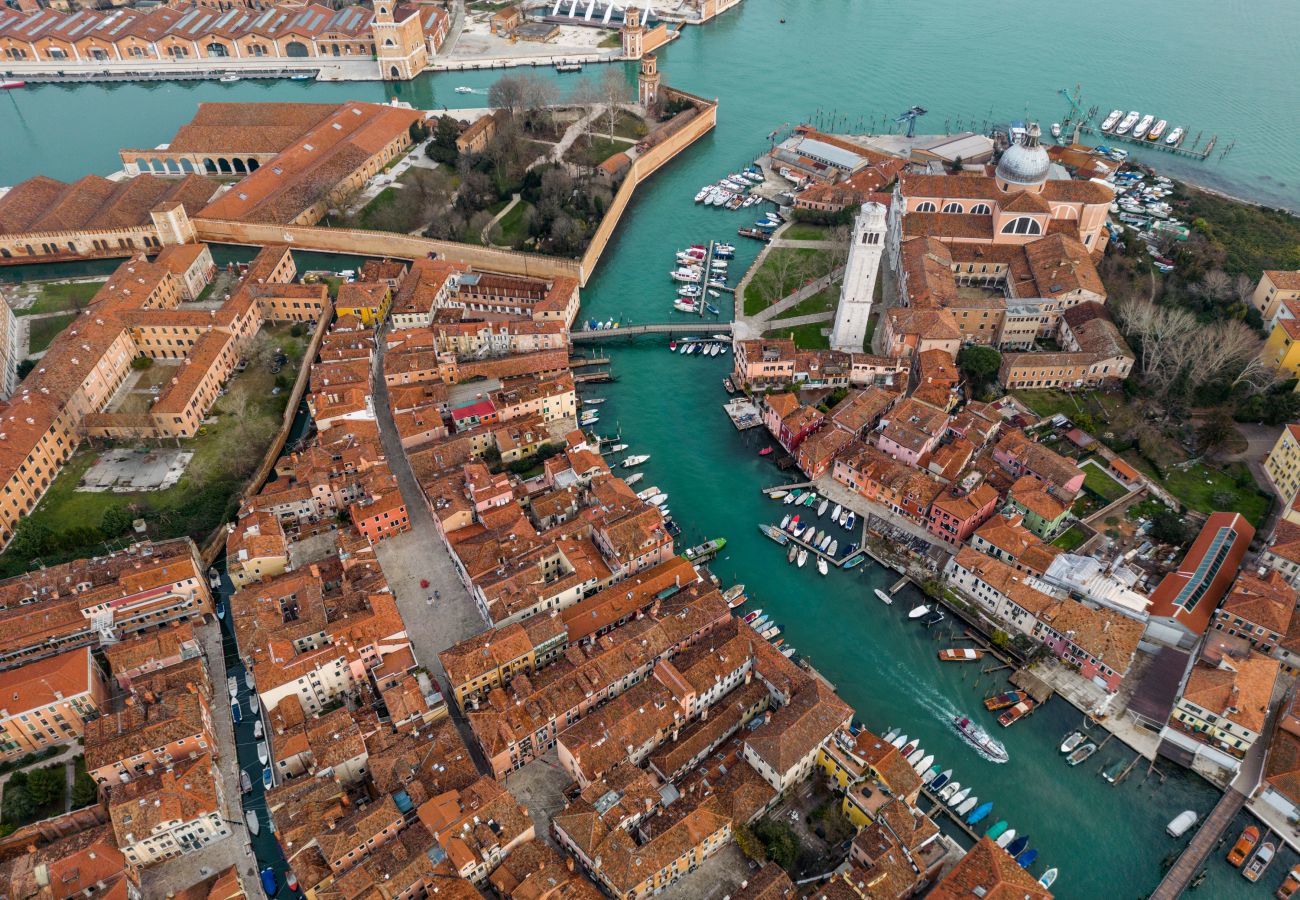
[1226, 67]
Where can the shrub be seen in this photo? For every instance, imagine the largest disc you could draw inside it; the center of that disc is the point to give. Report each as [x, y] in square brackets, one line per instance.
[140, 363]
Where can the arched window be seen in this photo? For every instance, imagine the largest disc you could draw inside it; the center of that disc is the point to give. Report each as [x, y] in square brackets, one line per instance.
[981, 209]
[393, 72]
[296, 49]
[215, 49]
[389, 42]
[926, 206]
[952, 208]
[1064, 212]
[1022, 225]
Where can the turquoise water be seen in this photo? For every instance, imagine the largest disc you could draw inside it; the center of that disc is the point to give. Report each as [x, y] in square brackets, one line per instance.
[1229, 67]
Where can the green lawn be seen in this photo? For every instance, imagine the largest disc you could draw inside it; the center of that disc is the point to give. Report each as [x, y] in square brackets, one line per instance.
[783, 271]
[1070, 539]
[41, 331]
[68, 523]
[614, 40]
[823, 300]
[594, 149]
[806, 337]
[804, 231]
[1048, 403]
[514, 230]
[60, 297]
[1211, 490]
[1100, 483]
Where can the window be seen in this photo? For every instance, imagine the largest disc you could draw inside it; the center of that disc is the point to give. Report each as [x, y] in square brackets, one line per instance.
[981, 209]
[952, 208]
[1022, 225]
[926, 206]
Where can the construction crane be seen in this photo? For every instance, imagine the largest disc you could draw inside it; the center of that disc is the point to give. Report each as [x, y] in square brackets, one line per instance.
[910, 118]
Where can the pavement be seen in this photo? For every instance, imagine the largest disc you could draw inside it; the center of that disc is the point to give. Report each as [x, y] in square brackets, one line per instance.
[717, 877]
[432, 625]
[539, 786]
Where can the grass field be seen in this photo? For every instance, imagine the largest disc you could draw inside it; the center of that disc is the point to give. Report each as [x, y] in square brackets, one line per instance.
[61, 297]
[514, 230]
[823, 300]
[806, 337]
[783, 270]
[594, 149]
[40, 332]
[803, 231]
[1100, 483]
[1070, 539]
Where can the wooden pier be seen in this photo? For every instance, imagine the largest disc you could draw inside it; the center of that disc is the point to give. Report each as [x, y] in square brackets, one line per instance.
[949, 811]
[1032, 685]
[578, 362]
[1202, 844]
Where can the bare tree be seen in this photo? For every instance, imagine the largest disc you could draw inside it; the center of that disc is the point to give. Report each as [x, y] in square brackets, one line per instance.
[1180, 353]
[585, 95]
[782, 272]
[1243, 289]
[507, 93]
[1215, 286]
[613, 93]
[539, 99]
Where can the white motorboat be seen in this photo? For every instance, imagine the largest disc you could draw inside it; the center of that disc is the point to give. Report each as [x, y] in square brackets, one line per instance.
[899, 741]
[916, 756]
[884, 598]
[464, 90]
[658, 499]
[959, 798]
[834, 549]
[593, 401]
[821, 507]
[837, 512]
[1129, 121]
[802, 557]
[919, 611]
[821, 565]
[248, 679]
[967, 805]
[229, 77]
[633, 478]
[232, 685]
[257, 728]
[924, 763]
[1006, 838]
[1175, 136]
[1056, 129]
[254, 824]
[647, 493]
[686, 307]
[214, 579]
[1140, 130]
[1109, 122]
[949, 790]
[635, 460]
[791, 497]
[689, 275]
[618, 448]
[263, 753]
[1183, 821]
[702, 195]
[1157, 130]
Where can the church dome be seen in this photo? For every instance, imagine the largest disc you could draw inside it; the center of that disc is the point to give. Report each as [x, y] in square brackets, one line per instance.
[1024, 163]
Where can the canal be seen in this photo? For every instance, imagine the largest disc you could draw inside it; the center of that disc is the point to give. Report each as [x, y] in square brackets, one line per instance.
[1214, 66]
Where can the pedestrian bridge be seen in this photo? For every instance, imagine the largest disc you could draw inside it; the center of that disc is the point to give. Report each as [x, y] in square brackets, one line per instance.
[633, 331]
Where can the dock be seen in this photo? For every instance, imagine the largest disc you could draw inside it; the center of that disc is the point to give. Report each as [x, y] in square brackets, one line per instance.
[578, 362]
[838, 563]
[1032, 685]
[1202, 844]
[743, 413]
[939, 805]
[593, 378]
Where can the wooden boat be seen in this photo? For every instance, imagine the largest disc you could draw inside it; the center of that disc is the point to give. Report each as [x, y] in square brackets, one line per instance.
[1245, 843]
[1259, 863]
[1015, 713]
[1005, 699]
[960, 654]
[1289, 884]
[1081, 753]
[254, 824]
[734, 595]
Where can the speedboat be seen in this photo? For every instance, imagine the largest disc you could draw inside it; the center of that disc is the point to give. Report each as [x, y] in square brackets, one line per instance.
[11, 84]
[967, 805]
[1129, 121]
[1007, 837]
[853, 520]
[1056, 129]
[750, 617]
[1181, 822]
[689, 275]
[1263, 856]
[464, 90]
[898, 740]
[1157, 130]
[949, 791]
[821, 509]
[785, 521]
[257, 728]
[704, 193]
[236, 714]
[1072, 740]
[1245, 843]
[941, 779]
[924, 764]
[1175, 136]
[1049, 878]
[884, 598]
[618, 448]
[959, 798]
[760, 623]
[254, 824]
[1026, 859]
[919, 611]
[997, 830]
[263, 753]
[821, 565]
[930, 775]
[980, 812]
[991, 748]
[245, 783]
[1018, 846]
[802, 557]
[792, 497]
[214, 579]
[794, 551]
[1289, 885]
[658, 499]
[916, 756]
[833, 549]
[229, 77]
[268, 780]
[1109, 122]
[837, 512]
[910, 747]
[686, 307]
[1140, 131]
[232, 685]
[632, 479]
[635, 460]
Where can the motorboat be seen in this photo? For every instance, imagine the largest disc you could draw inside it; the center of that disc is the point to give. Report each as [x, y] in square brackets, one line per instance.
[647, 493]
[997, 830]
[254, 824]
[1260, 861]
[1140, 130]
[1157, 130]
[734, 595]
[969, 804]
[770, 632]
[960, 654]
[916, 756]
[12, 84]
[1181, 822]
[1006, 838]
[658, 499]
[1081, 753]
[853, 520]
[245, 783]
[751, 617]
[257, 728]
[919, 611]
[1175, 136]
[884, 598]
[1109, 122]
[900, 741]
[794, 524]
[925, 763]
[833, 549]
[236, 714]
[930, 775]
[263, 753]
[214, 579]
[248, 679]
[959, 798]
[821, 565]
[1049, 878]
[633, 478]
[909, 748]
[268, 780]
[837, 512]
[977, 737]
[941, 779]
[618, 448]
[802, 557]
[221, 610]
[1290, 884]
[635, 460]
[232, 685]
[464, 90]
[229, 77]
[1129, 121]
[949, 791]
[1004, 699]
[1016, 713]
[1056, 129]
[794, 550]
[689, 275]
[980, 812]
[702, 195]
[785, 521]
[269, 884]
[792, 497]
[1026, 859]
[810, 499]
[760, 623]
[821, 509]
[684, 306]
[1241, 849]
[1018, 846]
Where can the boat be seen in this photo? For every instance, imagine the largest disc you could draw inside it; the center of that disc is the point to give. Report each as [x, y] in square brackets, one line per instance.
[1140, 130]
[1081, 753]
[683, 306]
[268, 781]
[229, 77]
[236, 714]
[969, 804]
[268, 881]
[658, 499]
[760, 623]
[1109, 122]
[855, 561]
[232, 685]
[978, 738]
[770, 632]
[1056, 129]
[949, 791]
[12, 85]
[257, 728]
[1005, 699]
[1175, 136]
[633, 478]
[221, 610]
[706, 550]
[1072, 740]
[1048, 879]
[254, 824]
[997, 830]
[836, 513]
[777, 495]
[794, 551]
[1181, 822]
[683, 347]
[245, 783]
[959, 798]
[775, 534]
[618, 448]
[292, 880]
[730, 388]
[916, 756]
[263, 753]
[635, 460]
[734, 595]
[1245, 843]
[930, 774]
[750, 617]
[1018, 846]
[766, 451]
[980, 812]
[792, 497]
[1260, 862]
[853, 518]
[702, 195]
[926, 762]
[919, 611]
[1129, 121]
[810, 499]
[821, 565]
[941, 779]
[787, 651]
[1112, 771]
[821, 510]
[819, 538]
[909, 748]
[960, 654]
[1026, 859]
[464, 90]
[1289, 884]
[1157, 130]
[833, 549]
[802, 557]
[900, 741]
[248, 679]
[214, 579]
[689, 275]
[1016, 713]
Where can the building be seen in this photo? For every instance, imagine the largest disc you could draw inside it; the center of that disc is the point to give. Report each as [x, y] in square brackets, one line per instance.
[988, 871]
[1282, 465]
[135, 659]
[1184, 601]
[1276, 287]
[170, 813]
[955, 515]
[858, 289]
[1223, 707]
[129, 38]
[9, 350]
[47, 702]
[147, 734]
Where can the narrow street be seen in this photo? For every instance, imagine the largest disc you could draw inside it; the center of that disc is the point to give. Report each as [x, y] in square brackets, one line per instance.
[432, 624]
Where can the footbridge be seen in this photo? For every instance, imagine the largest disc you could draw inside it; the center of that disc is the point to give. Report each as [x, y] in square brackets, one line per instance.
[631, 332]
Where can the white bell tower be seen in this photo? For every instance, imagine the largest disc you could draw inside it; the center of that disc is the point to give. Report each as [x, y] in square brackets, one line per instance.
[865, 249]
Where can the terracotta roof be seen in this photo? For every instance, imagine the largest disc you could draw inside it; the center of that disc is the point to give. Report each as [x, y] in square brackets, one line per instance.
[799, 727]
[1282, 765]
[151, 803]
[987, 871]
[1180, 594]
[1266, 601]
[1237, 689]
[1284, 280]
[42, 204]
[39, 683]
[1004, 579]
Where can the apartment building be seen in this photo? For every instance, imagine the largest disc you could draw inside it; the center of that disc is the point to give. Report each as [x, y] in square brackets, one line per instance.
[47, 702]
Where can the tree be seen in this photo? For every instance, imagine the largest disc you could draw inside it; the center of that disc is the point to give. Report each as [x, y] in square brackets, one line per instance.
[957, 165]
[613, 94]
[1170, 527]
[779, 842]
[115, 521]
[507, 94]
[1214, 433]
[84, 790]
[539, 98]
[749, 844]
[18, 806]
[443, 146]
[979, 363]
[46, 785]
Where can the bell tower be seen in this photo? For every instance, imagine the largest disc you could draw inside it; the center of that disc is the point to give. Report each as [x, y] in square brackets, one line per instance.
[647, 83]
[859, 286]
[400, 48]
[633, 33]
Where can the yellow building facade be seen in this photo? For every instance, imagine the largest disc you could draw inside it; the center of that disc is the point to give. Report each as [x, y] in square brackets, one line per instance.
[1283, 463]
[1282, 349]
